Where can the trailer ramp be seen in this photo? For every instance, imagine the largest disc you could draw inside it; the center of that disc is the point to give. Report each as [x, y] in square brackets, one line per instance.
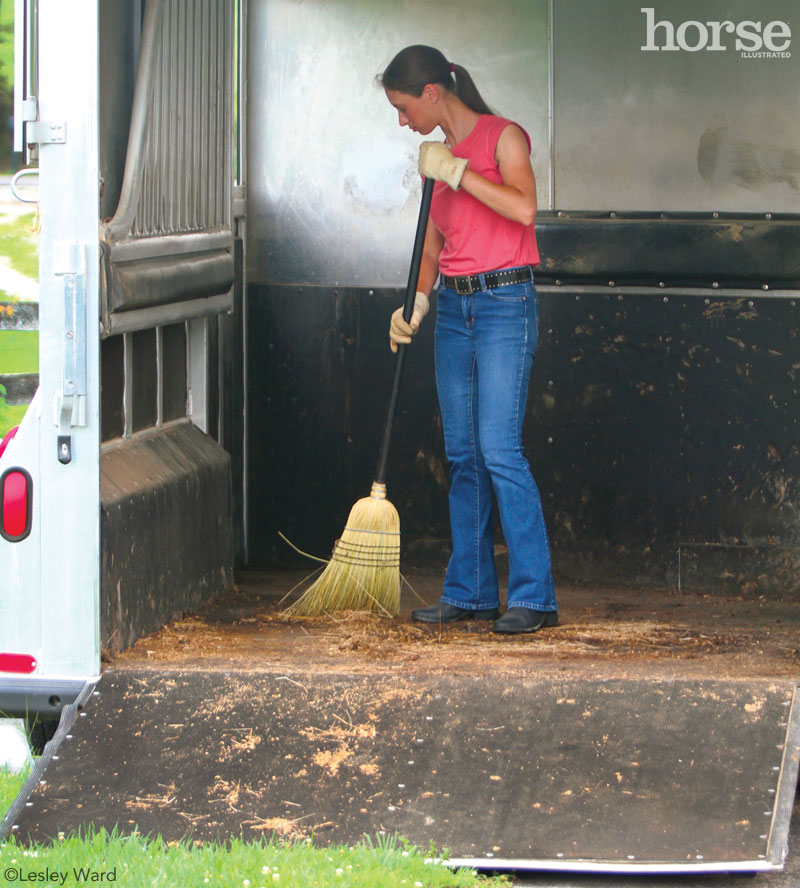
[579, 775]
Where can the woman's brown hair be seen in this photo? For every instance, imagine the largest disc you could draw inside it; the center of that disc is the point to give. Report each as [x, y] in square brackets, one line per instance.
[416, 66]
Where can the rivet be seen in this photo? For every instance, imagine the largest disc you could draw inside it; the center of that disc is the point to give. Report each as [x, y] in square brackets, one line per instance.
[661, 284]
[666, 299]
[765, 286]
[768, 215]
[715, 215]
[750, 304]
[707, 301]
[715, 285]
[613, 215]
[549, 440]
[611, 283]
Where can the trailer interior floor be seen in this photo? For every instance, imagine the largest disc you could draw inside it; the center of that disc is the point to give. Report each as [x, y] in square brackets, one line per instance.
[602, 632]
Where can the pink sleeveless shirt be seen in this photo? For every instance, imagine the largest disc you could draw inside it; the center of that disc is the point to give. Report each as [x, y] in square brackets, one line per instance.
[477, 238]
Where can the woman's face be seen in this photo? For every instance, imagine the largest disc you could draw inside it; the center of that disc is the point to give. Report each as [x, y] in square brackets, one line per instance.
[415, 112]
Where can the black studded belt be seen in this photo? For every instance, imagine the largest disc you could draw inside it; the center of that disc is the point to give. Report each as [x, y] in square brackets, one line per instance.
[471, 283]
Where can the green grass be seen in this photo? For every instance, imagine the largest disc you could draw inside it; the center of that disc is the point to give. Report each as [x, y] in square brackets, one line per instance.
[137, 861]
[10, 416]
[7, 39]
[19, 351]
[20, 245]
[10, 785]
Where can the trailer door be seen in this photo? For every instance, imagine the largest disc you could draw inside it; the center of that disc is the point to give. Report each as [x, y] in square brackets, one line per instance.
[49, 562]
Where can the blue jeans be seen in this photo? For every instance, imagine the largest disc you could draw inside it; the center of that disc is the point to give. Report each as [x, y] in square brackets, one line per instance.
[485, 344]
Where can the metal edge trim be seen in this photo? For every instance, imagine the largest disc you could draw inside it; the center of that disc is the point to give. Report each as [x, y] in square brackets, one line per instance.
[608, 867]
[584, 289]
[68, 715]
[778, 841]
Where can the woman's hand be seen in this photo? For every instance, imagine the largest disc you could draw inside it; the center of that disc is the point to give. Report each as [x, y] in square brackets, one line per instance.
[436, 161]
[400, 332]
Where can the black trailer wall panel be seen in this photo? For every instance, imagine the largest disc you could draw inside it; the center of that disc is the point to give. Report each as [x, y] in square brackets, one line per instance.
[661, 430]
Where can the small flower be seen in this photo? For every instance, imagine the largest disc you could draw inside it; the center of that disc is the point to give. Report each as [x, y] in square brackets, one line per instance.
[246, 882]
[265, 870]
[339, 871]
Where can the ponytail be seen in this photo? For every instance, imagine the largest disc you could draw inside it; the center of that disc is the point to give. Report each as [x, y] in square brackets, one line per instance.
[416, 66]
[466, 90]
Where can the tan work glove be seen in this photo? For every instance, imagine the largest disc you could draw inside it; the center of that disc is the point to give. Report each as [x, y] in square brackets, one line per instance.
[401, 332]
[436, 161]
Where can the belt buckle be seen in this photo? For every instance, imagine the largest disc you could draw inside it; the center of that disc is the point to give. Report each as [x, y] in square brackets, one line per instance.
[470, 289]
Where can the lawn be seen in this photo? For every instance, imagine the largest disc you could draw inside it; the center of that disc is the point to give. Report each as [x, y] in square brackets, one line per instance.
[20, 245]
[19, 351]
[138, 861]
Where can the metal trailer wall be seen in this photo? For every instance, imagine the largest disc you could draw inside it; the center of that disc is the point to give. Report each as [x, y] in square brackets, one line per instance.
[661, 427]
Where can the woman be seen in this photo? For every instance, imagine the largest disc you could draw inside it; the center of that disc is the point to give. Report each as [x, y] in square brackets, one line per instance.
[480, 241]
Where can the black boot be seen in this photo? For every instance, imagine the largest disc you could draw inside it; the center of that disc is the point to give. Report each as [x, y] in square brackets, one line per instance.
[449, 613]
[524, 619]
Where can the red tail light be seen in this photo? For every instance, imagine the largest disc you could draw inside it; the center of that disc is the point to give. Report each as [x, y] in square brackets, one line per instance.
[16, 501]
[17, 663]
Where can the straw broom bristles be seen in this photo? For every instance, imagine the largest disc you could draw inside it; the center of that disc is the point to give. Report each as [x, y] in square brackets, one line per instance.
[364, 571]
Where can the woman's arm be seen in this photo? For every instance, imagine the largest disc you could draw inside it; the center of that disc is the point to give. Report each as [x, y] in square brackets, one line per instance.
[429, 267]
[515, 198]
[401, 332]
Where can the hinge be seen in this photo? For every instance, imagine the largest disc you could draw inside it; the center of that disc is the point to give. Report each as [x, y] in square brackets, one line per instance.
[41, 132]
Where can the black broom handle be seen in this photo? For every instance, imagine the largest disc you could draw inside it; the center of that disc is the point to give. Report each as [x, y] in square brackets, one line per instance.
[408, 310]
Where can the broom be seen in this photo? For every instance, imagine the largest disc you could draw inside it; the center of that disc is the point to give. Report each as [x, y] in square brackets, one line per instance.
[364, 571]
